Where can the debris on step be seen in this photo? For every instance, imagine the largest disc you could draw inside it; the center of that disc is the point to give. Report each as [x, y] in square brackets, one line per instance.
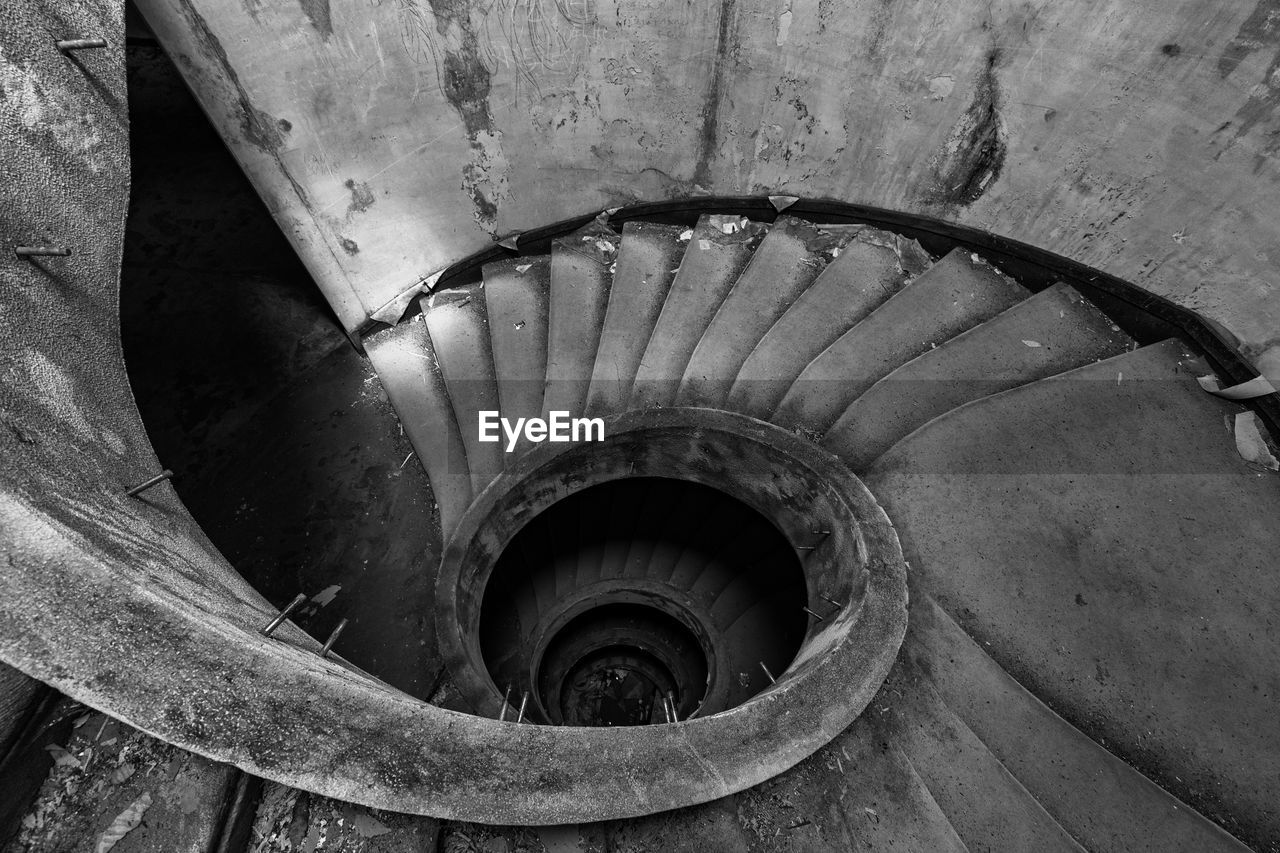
[112, 786]
[523, 268]
[686, 235]
[292, 821]
[1032, 344]
[726, 224]
[124, 823]
[782, 202]
[1258, 386]
[1251, 444]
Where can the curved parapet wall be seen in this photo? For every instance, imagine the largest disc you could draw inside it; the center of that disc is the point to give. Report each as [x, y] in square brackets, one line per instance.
[393, 139]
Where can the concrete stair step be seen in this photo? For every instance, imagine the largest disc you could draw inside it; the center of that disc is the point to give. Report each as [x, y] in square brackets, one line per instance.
[1102, 801]
[871, 267]
[1068, 523]
[406, 364]
[953, 295]
[712, 262]
[459, 326]
[581, 275]
[648, 258]
[517, 292]
[1053, 331]
[657, 519]
[987, 805]
[856, 793]
[786, 262]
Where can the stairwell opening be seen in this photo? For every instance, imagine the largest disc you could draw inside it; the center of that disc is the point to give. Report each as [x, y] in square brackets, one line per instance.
[697, 556]
[641, 600]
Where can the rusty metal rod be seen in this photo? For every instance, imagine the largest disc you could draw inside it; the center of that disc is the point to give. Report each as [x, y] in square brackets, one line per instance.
[831, 601]
[506, 703]
[146, 484]
[65, 45]
[333, 638]
[814, 615]
[40, 251]
[270, 627]
[524, 702]
[772, 680]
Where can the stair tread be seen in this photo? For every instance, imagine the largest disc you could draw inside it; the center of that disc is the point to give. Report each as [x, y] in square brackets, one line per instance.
[458, 323]
[580, 278]
[786, 262]
[1091, 523]
[856, 793]
[988, 807]
[1053, 331]
[517, 292]
[1102, 801]
[648, 257]
[953, 295]
[406, 364]
[711, 264]
[870, 268]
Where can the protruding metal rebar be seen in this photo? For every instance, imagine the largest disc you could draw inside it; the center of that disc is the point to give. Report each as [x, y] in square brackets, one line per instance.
[506, 703]
[772, 680]
[805, 547]
[333, 638]
[40, 251]
[822, 532]
[814, 615]
[146, 484]
[67, 45]
[270, 627]
[524, 702]
[832, 601]
[671, 699]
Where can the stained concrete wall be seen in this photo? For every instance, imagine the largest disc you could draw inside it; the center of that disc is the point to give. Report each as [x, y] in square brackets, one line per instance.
[390, 139]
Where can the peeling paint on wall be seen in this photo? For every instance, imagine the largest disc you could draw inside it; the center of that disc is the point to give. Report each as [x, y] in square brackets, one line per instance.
[973, 155]
[361, 196]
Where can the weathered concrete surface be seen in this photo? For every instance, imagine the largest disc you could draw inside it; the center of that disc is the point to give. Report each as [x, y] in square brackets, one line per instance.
[1101, 537]
[391, 139]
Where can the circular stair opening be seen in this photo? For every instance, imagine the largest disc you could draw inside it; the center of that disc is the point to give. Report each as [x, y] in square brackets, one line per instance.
[641, 600]
[693, 568]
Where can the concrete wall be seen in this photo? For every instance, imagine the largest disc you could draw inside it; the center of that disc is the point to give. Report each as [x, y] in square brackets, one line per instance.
[390, 139]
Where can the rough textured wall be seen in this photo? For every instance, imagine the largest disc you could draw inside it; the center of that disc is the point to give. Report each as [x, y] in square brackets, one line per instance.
[390, 139]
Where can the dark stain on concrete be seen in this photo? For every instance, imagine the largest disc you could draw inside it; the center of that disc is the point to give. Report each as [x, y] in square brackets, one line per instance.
[878, 29]
[464, 79]
[258, 127]
[351, 247]
[361, 196]
[973, 156]
[317, 12]
[285, 125]
[1171, 49]
[1258, 31]
[708, 140]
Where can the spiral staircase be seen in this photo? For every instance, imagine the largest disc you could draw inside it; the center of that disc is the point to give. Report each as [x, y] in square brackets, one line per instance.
[899, 534]
[1053, 483]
